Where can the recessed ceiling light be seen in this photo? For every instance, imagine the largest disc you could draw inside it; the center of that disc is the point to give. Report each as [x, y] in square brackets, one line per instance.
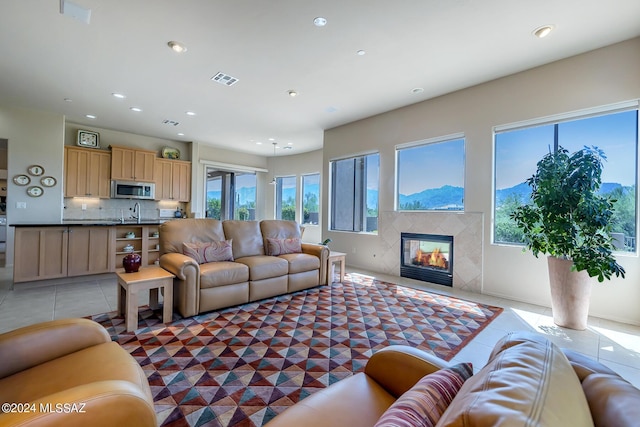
[258, 143]
[190, 113]
[292, 93]
[118, 95]
[90, 116]
[543, 31]
[177, 46]
[68, 100]
[361, 52]
[180, 134]
[320, 21]
[289, 143]
[417, 90]
[136, 109]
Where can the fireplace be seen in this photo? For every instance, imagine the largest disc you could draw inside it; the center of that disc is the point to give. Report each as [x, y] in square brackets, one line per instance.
[427, 257]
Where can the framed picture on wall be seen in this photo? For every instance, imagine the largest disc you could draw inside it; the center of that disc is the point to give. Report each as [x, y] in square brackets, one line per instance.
[89, 139]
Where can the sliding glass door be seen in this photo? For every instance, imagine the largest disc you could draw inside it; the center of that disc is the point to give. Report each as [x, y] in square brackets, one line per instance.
[230, 195]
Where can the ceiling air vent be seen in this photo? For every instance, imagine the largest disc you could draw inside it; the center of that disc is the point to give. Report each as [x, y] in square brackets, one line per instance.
[170, 122]
[224, 79]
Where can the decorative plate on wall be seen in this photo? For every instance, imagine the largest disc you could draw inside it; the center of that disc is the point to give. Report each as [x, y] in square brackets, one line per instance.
[21, 179]
[48, 181]
[35, 170]
[35, 191]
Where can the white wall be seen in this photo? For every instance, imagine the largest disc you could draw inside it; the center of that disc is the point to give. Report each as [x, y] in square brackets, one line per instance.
[35, 137]
[601, 77]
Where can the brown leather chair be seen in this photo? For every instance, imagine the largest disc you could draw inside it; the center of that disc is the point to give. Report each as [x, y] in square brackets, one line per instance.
[68, 372]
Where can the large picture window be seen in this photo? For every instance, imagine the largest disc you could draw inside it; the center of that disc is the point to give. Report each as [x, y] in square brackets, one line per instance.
[286, 198]
[354, 193]
[517, 151]
[311, 199]
[431, 175]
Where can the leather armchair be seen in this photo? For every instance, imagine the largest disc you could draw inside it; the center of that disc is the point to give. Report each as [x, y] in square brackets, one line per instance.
[68, 372]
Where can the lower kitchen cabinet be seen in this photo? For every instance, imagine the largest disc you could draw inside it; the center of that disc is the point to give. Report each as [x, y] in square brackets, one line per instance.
[52, 252]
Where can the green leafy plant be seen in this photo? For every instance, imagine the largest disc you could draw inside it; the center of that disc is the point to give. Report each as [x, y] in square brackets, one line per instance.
[567, 217]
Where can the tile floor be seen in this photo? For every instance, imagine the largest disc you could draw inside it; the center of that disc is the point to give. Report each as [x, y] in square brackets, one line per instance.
[615, 344]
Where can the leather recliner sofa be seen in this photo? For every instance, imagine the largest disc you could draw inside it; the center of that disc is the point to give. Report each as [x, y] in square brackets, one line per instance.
[528, 381]
[68, 372]
[250, 274]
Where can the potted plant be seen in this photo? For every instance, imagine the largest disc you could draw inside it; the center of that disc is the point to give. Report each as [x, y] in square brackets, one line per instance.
[570, 222]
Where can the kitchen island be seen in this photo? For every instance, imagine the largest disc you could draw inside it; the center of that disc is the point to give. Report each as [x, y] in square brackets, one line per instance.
[80, 247]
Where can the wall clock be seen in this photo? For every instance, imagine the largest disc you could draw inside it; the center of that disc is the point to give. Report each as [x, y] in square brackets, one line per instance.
[88, 139]
[35, 170]
[35, 191]
[48, 181]
[21, 179]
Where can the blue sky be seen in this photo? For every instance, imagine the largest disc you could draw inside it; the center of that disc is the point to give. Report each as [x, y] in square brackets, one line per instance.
[517, 152]
[431, 166]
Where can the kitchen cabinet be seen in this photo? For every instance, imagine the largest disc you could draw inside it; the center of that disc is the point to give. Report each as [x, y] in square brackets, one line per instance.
[132, 165]
[173, 180]
[53, 252]
[87, 173]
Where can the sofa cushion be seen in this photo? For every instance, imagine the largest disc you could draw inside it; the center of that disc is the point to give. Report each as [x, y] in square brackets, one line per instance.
[426, 401]
[191, 230]
[246, 236]
[280, 229]
[205, 252]
[299, 263]
[275, 247]
[527, 381]
[223, 273]
[265, 267]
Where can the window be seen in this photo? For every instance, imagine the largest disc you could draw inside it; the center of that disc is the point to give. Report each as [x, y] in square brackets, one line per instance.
[311, 199]
[286, 198]
[354, 193]
[518, 150]
[230, 195]
[431, 175]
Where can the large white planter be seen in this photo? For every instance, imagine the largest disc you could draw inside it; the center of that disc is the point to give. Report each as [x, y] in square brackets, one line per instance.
[570, 294]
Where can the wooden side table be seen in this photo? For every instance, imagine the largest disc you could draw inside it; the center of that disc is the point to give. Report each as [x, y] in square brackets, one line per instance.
[147, 278]
[335, 257]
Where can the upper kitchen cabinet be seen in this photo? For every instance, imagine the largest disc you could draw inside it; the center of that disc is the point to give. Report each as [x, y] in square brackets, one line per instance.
[173, 180]
[87, 172]
[132, 165]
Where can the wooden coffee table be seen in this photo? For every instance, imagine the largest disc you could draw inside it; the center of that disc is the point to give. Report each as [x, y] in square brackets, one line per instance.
[147, 278]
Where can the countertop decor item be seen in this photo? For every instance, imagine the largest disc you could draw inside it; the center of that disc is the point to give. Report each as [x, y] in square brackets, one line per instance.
[89, 139]
[171, 153]
[128, 248]
[131, 263]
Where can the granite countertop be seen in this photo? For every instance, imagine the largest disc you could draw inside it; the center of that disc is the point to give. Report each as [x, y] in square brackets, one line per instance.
[88, 222]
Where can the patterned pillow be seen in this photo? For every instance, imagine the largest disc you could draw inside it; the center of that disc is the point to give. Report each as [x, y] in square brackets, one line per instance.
[209, 251]
[277, 247]
[426, 401]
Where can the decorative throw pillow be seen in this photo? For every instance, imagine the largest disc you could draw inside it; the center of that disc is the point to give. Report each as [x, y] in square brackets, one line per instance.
[426, 401]
[277, 247]
[209, 251]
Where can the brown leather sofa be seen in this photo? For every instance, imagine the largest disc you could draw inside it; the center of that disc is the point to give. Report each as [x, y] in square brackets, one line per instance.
[528, 381]
[251, 275]
[68, 372]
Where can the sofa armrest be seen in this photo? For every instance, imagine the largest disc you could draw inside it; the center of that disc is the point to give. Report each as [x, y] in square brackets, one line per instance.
[186, 285]
[179, 264]
[98, 404]
[321, 252]
[33, 345]
[397, 368]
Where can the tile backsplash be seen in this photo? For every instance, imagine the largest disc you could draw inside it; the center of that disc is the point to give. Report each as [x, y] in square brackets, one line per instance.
[114, 209]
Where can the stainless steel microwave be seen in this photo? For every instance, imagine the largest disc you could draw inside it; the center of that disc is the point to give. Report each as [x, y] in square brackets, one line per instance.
[132, 190]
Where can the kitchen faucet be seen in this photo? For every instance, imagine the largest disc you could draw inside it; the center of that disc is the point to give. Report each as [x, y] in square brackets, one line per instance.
[136, 210]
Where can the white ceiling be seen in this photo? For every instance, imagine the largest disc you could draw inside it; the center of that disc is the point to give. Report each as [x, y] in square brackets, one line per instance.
[272, 47]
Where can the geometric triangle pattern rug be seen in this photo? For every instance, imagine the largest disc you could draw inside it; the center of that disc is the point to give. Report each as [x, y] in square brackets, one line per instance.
[243, 365]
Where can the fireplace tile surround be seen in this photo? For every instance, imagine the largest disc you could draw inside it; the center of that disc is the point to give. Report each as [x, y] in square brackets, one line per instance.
[465, 227]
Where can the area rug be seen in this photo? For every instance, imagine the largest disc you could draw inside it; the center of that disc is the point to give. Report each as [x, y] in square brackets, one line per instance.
[243, 365]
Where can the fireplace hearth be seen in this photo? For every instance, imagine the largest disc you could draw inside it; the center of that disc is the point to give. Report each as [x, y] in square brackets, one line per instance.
[427, 257]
